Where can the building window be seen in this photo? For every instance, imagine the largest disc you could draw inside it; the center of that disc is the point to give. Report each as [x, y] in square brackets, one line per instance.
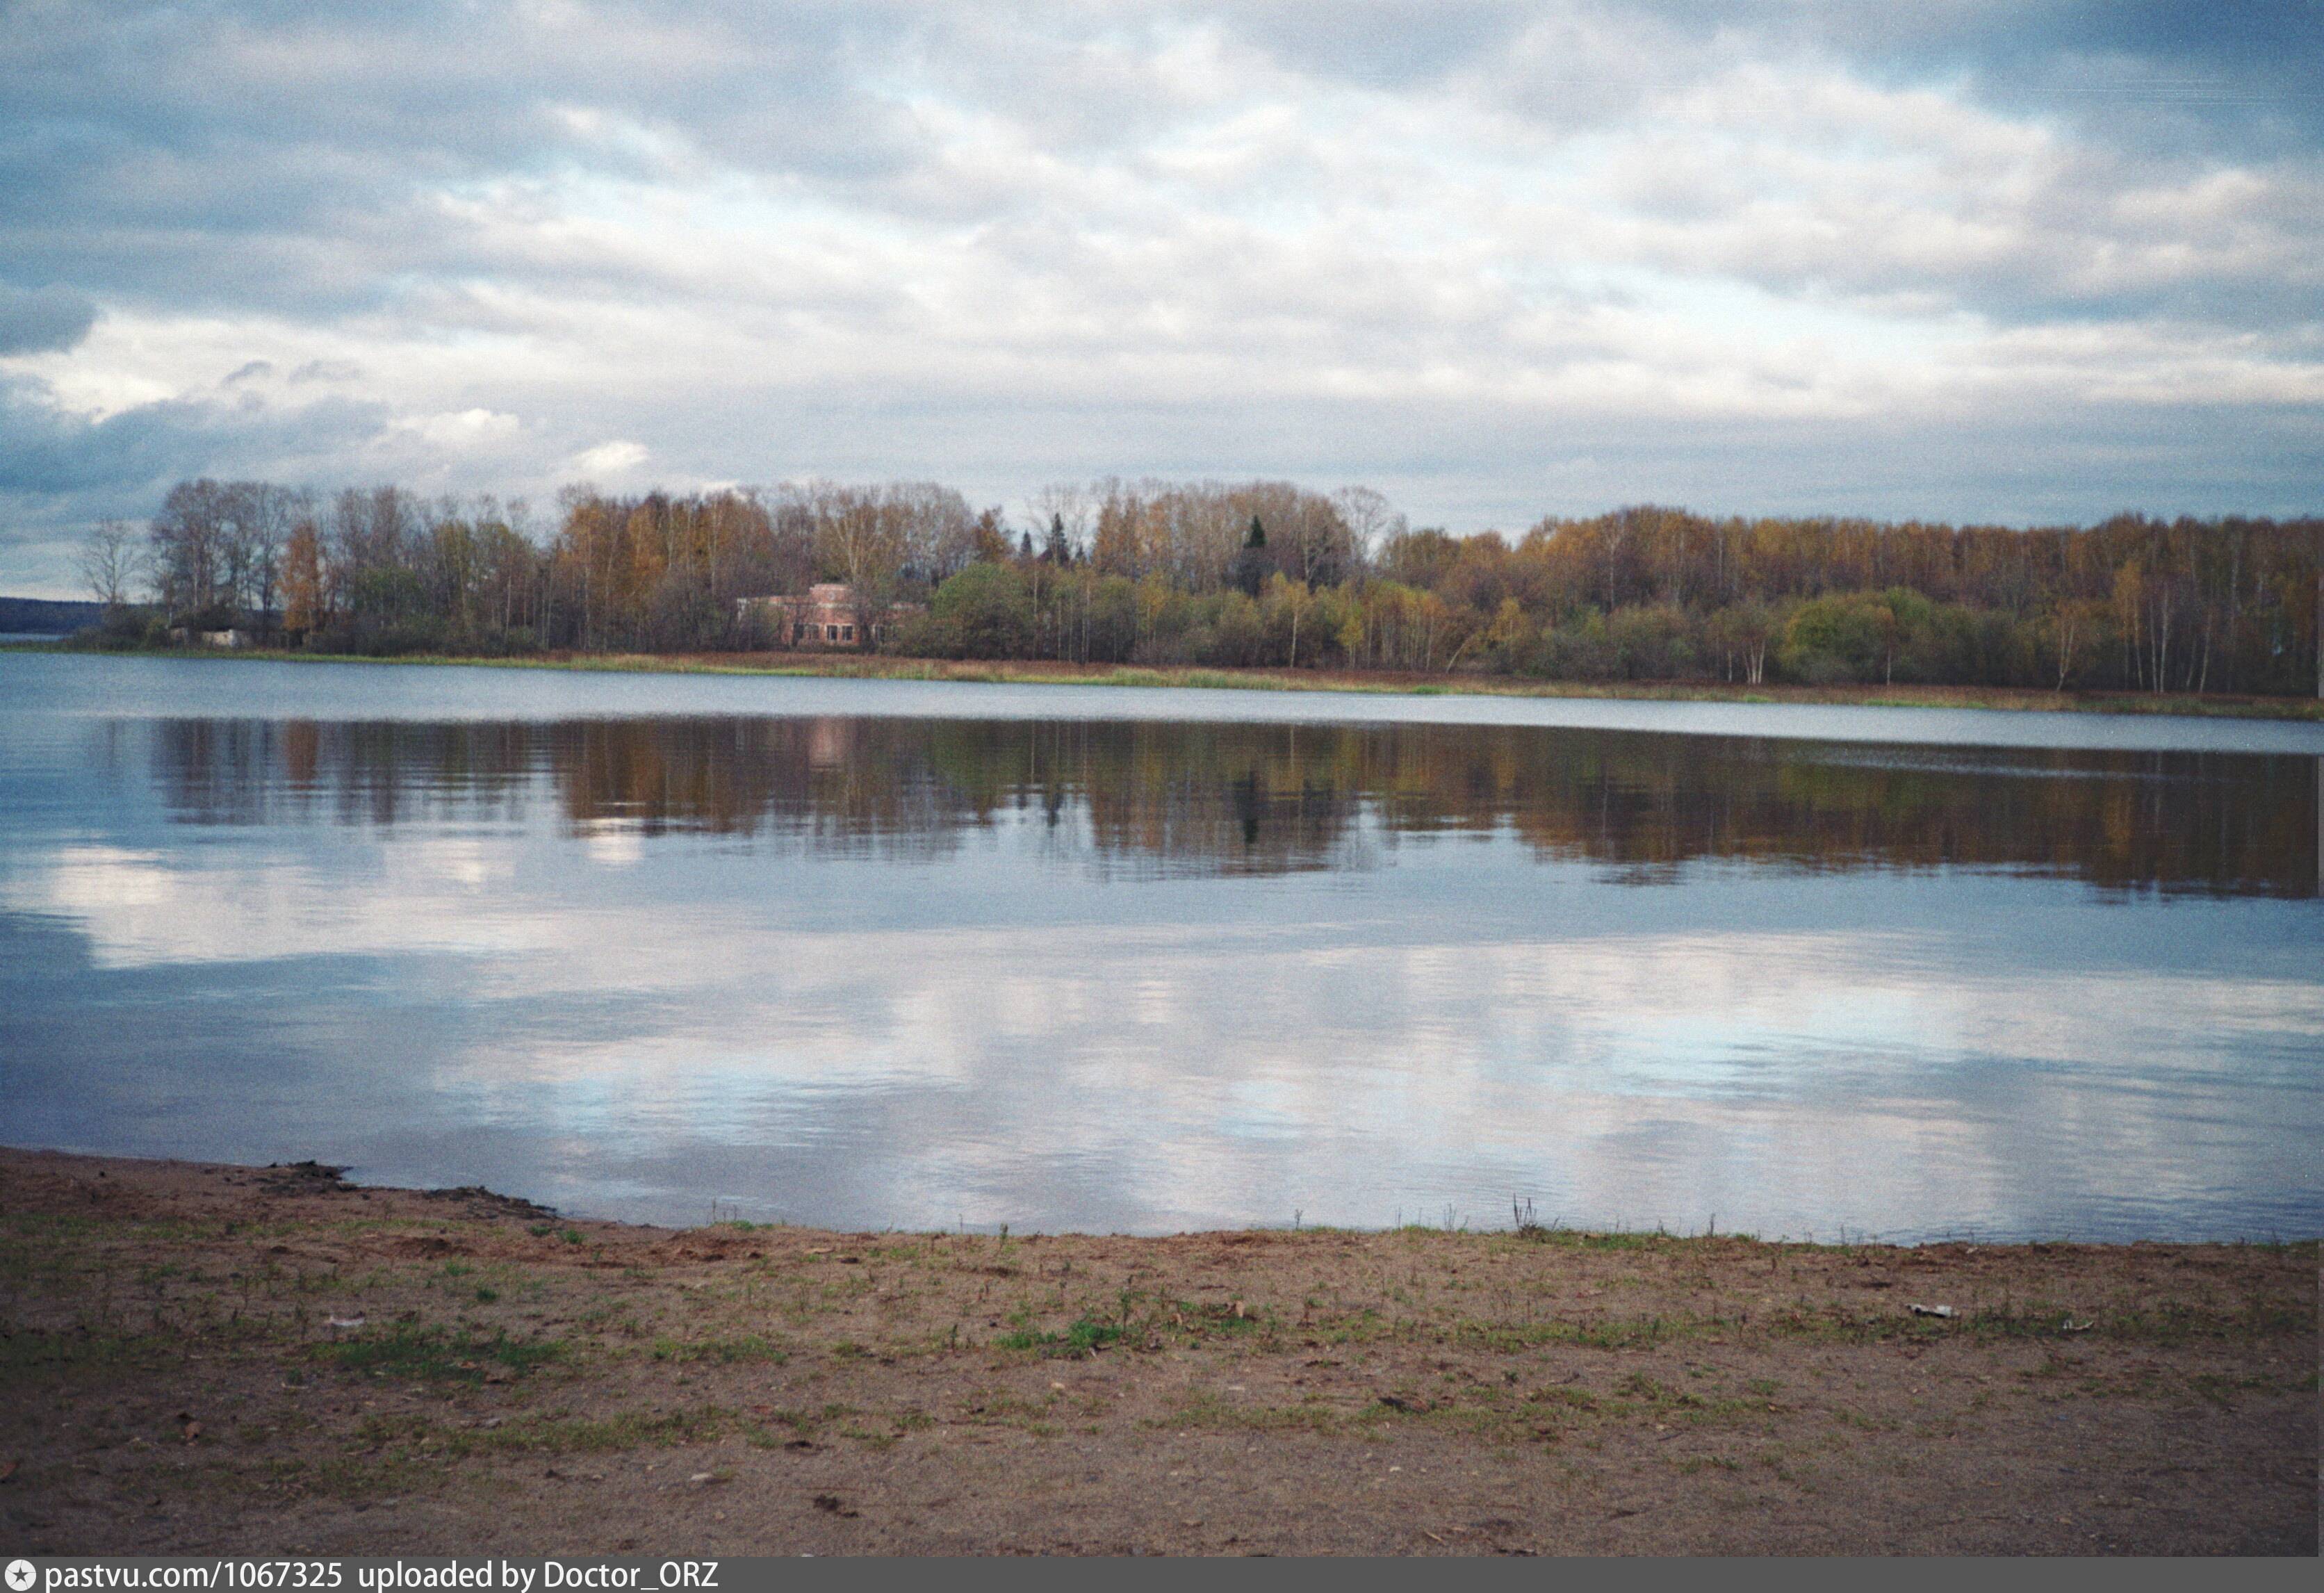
[831, 633]
[847, 633]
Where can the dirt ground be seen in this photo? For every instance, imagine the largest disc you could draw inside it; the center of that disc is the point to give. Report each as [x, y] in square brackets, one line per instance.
[212, 1358]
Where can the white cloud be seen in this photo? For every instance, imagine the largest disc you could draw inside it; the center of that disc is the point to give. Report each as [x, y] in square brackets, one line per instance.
[611, 458]
[463, 432]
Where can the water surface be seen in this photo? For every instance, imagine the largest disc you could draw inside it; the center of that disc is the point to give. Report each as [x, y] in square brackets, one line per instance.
[872, 952]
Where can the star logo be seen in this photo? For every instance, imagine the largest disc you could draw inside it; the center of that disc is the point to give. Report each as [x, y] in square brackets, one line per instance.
[21, 1576]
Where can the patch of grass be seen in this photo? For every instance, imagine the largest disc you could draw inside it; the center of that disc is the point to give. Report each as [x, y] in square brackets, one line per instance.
[1083, 1338]
[1207, 1409]
[433, 1353]
[22, 1349]
[751, 1348]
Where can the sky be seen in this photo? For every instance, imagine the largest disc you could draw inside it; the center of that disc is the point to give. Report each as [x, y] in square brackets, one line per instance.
[2021, 264]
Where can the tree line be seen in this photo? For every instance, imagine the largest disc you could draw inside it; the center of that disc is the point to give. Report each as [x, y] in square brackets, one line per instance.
[1258, 574]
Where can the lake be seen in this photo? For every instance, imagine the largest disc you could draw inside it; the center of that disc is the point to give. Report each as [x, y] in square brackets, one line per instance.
[870, 954]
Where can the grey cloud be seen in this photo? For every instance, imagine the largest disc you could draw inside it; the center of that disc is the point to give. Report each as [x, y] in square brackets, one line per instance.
[2162, 77]
[291, 155]
[46, 450]
[43, 320]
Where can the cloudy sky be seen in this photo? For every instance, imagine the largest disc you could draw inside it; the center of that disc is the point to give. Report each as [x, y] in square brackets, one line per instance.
[2024, 263]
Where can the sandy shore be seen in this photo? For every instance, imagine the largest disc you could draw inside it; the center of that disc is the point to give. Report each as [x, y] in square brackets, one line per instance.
[211, 1359]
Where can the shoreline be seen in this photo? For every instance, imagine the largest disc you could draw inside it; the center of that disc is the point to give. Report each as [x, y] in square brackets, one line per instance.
[1043, 672]
[270, 1359]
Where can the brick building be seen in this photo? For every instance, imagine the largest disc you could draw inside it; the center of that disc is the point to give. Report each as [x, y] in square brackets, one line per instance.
[827, 617]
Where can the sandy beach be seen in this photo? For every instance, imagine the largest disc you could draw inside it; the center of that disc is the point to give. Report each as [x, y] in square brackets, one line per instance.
[220, 1358]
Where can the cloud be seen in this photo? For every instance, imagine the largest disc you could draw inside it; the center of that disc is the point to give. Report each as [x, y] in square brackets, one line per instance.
[611, 458]
[1450, 245]
[466, 430]
[43, 320]
[48, 449]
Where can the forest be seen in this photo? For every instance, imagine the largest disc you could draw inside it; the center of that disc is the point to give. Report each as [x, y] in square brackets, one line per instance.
[1258, 574]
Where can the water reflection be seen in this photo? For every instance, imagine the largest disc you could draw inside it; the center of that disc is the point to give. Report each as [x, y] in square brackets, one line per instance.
[1144, 973]
[1238, 798]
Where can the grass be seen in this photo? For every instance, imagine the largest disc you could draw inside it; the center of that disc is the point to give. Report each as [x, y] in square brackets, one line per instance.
[1207, 1410]
[1083, 1337]
[747, 1349]
[436, 1355]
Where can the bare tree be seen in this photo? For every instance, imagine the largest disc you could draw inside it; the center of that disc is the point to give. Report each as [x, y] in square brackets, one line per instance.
[187, 546]
[1370, 518]
[220, 544]
[111, 562]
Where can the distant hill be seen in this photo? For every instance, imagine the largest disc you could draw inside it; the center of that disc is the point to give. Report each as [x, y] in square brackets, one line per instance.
[46, 615]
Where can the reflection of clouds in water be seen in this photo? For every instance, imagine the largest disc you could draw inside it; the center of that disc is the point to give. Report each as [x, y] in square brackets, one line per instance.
[1662, 1014]
[89, 881]
[630, 1020]
[146, 908]
[610, 843]
[1240, 1107]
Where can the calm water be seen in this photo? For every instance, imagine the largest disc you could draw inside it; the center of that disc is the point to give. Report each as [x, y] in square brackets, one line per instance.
[870, 953]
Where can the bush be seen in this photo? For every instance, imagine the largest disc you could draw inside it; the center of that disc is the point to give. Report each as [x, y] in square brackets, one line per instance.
[377, 639]
[124, 628]
[984, 611]
[1832, 639]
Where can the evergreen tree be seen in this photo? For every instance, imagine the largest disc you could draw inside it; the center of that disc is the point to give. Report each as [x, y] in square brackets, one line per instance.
[1254, 564]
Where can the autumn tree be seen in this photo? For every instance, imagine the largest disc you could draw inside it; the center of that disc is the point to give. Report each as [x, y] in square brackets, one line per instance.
[304, 607]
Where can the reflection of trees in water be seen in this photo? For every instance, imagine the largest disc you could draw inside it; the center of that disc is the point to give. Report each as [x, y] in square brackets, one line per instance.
[257, 771]
[1233, 798]
[2198, 822]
